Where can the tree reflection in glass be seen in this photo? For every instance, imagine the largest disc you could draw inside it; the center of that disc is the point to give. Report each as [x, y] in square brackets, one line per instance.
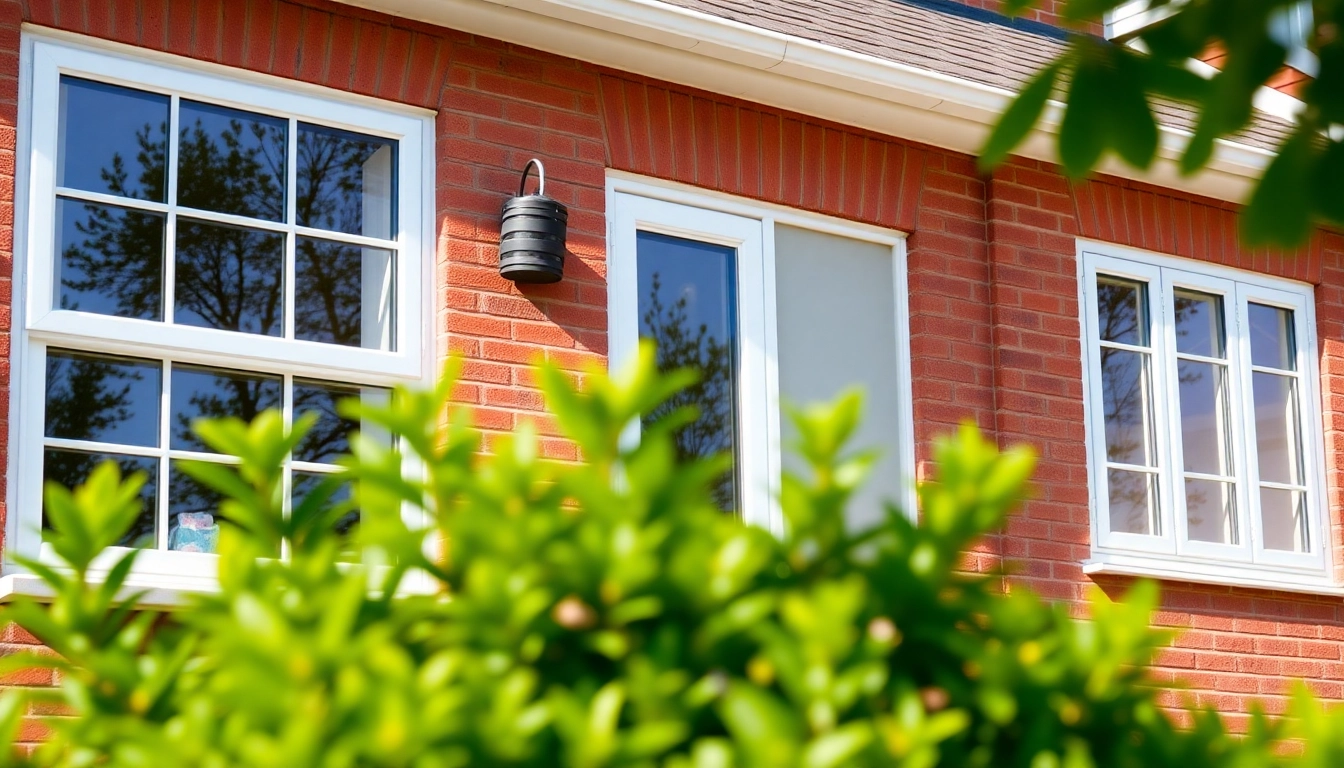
[688, 306]
[1122, 319]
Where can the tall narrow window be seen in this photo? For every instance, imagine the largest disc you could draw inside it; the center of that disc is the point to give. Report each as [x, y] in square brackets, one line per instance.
[688, 307]
[1197, 404]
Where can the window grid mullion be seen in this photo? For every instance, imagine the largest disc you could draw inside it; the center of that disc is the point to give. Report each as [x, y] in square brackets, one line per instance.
[290, 292]
[287, 476]
[170, 225]
[1166, 395]
[165, 465]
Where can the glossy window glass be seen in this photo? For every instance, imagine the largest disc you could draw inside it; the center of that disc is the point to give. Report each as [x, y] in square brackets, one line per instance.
[345, 182]
[102, 399]
[688, 306]
[1210, 511]
[193, 513]
[112, 140]
[1272, 342]
[1199, 324]
[230, 278]
[343, 294]
[110, 260]
[327, 493]
[1122, 311]
[213, 393]
[231, 161]
[71, 468]
[1276, 435]
[329, 436]
[1133, 501]
[1285, 520]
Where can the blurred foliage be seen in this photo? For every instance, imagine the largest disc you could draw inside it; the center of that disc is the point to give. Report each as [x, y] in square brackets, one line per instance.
[532, 613]
[1109, 89]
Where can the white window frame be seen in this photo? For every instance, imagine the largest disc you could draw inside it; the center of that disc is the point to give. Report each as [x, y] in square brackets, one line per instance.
[38, 323]
[1171, 554]
[637, 203]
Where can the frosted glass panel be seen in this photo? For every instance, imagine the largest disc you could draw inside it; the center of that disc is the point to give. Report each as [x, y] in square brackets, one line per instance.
[836, 310]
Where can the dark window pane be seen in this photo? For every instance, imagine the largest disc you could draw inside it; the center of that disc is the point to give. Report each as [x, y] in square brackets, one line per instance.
[111, 260]
[215, 393]
[231, 161]
[112, 140]
[1272, 342]
[329, 437]
[193, 513]
[343, 294]
[71, 468]
[230, 278]
[304, 483]
[1122, 311]
[1199, 324]
[108, 399]
[346, 182]
[688, 305]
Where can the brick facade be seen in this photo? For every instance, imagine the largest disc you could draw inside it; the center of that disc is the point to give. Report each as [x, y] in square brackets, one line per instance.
[992, 273]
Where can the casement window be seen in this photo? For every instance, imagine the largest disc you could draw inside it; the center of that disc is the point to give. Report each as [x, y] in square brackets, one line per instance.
[199, 243]
[1206, 437]
[773, 307]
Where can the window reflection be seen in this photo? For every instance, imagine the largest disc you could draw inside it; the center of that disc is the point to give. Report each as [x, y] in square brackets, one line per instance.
[230, 278]
[345, 182]
[339, 503]
[343, 294]
[108, 400]
[71, 468]
[214, 393]
[231, 161]
[330, 435]
[112, 140]
[688, 306]
[110, 260]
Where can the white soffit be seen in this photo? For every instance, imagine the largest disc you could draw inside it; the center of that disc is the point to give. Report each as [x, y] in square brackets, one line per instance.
[691, 48]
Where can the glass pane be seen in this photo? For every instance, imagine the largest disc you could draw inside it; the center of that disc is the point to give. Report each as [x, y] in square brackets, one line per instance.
[1272, 342]
[193, 512]
[214, 393]
[840, 331]
[1133, 502]
[111, 260]
[1205, 426]
[688, 306]
[1276, 434]
[1199, 324]
[107, 399]
[230, 278]
[1122, 310]
[112, 140]
[1210, 511]
[329, 436]
[304, 483]
[1126, 404]
[230, 161]
[1284, 516]
[343, 294]
[71, 468]
[345, 182]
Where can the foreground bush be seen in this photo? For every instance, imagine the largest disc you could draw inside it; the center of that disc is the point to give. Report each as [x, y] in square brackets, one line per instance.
[601, 614]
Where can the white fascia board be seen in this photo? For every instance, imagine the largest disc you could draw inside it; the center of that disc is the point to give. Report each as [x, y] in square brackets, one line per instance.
[679, 45]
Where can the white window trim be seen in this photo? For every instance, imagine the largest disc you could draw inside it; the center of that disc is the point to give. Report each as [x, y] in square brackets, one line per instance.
[658, 205]
[44, 57]
[1171, 556]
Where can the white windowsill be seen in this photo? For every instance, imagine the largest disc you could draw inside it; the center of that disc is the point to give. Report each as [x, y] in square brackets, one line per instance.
[1239, 575]
[160, 593]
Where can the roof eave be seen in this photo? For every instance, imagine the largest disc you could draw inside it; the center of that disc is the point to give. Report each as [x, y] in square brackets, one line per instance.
[700, 50]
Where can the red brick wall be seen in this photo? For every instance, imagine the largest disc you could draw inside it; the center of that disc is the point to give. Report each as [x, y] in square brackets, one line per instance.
[994, 310]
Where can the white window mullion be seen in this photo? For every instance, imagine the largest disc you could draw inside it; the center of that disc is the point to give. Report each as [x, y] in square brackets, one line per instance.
[170, 226]
[162, 490]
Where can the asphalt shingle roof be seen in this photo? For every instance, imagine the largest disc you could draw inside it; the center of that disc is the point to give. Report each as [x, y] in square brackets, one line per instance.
[940, 36]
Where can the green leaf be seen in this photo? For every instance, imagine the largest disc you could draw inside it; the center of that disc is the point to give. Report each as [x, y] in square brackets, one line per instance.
[1083, 133]
[1280, 208]
[1020, 117]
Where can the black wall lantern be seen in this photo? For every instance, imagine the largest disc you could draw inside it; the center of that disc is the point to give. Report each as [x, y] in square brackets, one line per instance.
[532, 234]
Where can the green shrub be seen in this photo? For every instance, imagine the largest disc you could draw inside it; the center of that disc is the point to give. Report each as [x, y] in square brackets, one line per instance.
[596, 614]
